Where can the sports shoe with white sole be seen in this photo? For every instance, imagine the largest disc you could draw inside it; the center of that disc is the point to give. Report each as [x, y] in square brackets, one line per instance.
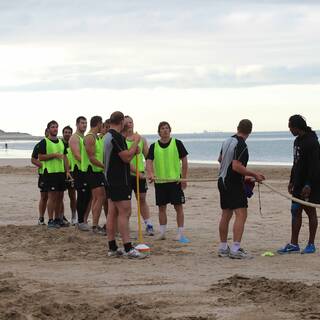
[240, 254]
[134, 254]
[223, 253]
[118, 253]
[83, 227]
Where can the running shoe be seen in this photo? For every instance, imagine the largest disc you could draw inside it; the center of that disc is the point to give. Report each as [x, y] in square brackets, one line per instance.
[162, 236]
[63, 223]
[83, 227]
[183, 239]
[118, 253]
[41, 222]
[53, 225]
[289, 248]
[98, 230]
[74, 221]
[134, 254]
[240, 254]
[224, 252]
[310, 248]
[149, 230]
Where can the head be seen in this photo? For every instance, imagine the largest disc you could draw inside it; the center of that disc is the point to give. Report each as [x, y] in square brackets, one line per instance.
[53, 128]
[67, 133]
[164, 129]
[105, 126]
[244, 127]
[96, 123]
[298, 125]
[128, 123]
[81, 124]
[117, 119]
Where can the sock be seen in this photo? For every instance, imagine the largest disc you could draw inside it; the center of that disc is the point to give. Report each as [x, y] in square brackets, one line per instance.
[113, 245]
[163, 228]
[180, 231]
[148, 222]
[223, 246]
[235, 246]
[127, 246]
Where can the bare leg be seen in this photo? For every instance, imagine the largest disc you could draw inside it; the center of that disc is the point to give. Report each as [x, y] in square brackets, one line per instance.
[163, 215]
[98, 199]
[43, 204]
[124, 213]
[313, 222]
[238, 226]
[73, 202]
[51, 204]
[296, 223]
[112, 220]
[180, 215]
[224, 224]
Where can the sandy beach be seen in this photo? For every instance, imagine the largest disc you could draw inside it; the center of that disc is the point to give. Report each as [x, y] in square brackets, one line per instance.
[65, 274]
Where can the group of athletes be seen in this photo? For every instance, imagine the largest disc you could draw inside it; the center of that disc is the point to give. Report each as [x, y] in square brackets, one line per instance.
[99, 169]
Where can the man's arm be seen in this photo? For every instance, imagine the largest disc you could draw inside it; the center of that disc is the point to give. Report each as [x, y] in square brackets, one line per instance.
[75, 147]
[150, 171]
[238, 167]
[127, 155]
[90, 144]
[184, 171]
[36, 162]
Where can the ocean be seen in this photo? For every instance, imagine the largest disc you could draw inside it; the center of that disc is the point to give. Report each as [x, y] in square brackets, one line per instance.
[267, 148]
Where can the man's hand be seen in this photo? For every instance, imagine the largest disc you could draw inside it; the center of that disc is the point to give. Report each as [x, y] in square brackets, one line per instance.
[259, 177]
[306, 191]
[183, 185]
[136, 137]
[69, 176]
[59, 156]
[150, 178]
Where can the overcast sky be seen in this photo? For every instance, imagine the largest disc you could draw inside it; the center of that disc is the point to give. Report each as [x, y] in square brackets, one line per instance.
[200, 64]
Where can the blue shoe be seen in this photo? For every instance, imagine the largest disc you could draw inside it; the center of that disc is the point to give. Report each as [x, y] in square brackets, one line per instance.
[149, 230]
[289, 248]
[184, 239]
[310, 248]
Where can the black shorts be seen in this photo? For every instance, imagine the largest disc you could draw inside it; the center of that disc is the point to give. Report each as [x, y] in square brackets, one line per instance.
[119, 193]
[143, 186]
[80, 182]
[95, 179]
[314, 195]
[232, 196]
[169, 193]
[54, 181]
[41, 184]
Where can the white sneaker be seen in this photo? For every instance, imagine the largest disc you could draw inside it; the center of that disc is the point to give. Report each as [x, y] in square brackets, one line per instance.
[162, 236]
[224, 252]
[134, 254]
[74, 221]
[240, 254]
[118, 253]
[83, 227]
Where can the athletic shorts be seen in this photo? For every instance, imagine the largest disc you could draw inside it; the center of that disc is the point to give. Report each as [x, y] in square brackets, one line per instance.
[80, 182]
[232, 196]
[169, 193]
[143, 186]
[119, 193]
[54, 181]
[95, 179]
[314, 195]
[41, 184]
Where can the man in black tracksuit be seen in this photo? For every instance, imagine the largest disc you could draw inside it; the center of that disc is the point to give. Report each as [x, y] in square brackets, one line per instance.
[304, 182]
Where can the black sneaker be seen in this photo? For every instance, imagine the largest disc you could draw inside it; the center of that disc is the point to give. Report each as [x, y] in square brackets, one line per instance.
[41, 222]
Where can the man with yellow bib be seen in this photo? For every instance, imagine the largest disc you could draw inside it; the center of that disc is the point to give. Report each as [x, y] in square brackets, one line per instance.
[143, 186]
[166, 164]
[93, 165]
[52, 153]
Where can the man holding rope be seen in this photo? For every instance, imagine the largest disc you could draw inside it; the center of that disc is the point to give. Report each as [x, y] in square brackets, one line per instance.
[233, 160]
[304, 183]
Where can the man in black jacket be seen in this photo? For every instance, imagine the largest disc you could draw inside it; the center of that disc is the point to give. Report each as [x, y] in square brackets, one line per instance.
[304, 183]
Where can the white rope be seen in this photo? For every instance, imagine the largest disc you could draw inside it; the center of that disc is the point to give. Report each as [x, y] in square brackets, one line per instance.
[186, 180]
[302, 202]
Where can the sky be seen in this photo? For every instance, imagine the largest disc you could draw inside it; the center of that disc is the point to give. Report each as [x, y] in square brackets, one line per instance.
[199, 64]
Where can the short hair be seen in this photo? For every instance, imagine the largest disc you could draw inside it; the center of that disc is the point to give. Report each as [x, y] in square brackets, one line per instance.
[116, 117]
[67, 128]
[94, 121]
[52, 122]
[107, 122]
[245, 126]
[80, 118]
[163, 123]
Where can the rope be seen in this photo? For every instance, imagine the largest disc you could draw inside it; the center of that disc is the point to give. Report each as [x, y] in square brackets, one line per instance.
[302, 202]
[186, 180]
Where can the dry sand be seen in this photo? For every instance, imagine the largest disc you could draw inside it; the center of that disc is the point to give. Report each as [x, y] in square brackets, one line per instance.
[65, 274]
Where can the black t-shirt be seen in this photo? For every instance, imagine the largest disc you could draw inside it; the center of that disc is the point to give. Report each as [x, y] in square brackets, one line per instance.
[117, 172]
[234, 148]
[35, 152]
[43, 146]
[306, 164]
[181, 149]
